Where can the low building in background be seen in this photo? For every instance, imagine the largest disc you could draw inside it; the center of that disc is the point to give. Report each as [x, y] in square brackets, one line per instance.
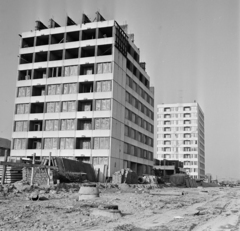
[83, 93]
[168, 167]
[5, 146]
[180, 136]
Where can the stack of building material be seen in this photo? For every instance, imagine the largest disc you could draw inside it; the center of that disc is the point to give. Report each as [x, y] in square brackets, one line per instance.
[40, 175]
[67, 170]
[125, 176]
[12, 175]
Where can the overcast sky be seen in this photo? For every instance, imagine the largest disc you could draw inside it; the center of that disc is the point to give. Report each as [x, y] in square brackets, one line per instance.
[191, 50]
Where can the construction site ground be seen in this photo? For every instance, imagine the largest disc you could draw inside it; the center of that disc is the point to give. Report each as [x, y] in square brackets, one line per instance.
[142, 207]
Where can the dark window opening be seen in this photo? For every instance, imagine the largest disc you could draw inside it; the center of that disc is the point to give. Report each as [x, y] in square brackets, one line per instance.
[35, 143]
[88, 34]
[105, 32]
[37, 108]
[104, 50]
[71, 53]
[41, 56]
[83, 159]
[42, 40]
[129, 65]
[54, 72]
[24, 75]
[87, 69]
[88, 51]
[134, 70]
[56, 55]
[27, 42]
[86, 87]
[85, 105]
[84, 124]
[136, 56]
[39, 73]
[38, 90]
[72, 36]
[36, 125]
[83, 143]
[57, 38]
[26, 58]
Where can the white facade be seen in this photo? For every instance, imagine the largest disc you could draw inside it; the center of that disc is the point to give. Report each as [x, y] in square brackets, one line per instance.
[74, 96]
[180, 136]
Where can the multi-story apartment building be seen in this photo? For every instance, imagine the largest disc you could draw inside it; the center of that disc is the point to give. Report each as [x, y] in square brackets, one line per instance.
[180, 136]
[82, 93]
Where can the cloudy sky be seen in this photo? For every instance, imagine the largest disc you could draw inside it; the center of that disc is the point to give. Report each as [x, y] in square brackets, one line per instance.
[191, 49]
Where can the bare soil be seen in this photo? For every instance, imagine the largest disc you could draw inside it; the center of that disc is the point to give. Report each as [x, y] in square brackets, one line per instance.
[141, 207]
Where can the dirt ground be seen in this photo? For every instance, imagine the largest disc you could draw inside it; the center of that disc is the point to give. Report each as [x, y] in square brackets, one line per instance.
[142, 207]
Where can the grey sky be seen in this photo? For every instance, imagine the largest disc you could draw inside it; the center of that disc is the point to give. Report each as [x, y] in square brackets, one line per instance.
[191, 49]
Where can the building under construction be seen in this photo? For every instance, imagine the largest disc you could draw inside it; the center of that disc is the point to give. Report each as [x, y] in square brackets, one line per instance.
[83, 93]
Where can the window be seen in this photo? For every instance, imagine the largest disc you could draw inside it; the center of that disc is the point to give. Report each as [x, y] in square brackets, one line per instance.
[104, 68]
[126, 113]
[101, 143]
[23, 108]
[134, 86]
[100, 160]
[24, 91]
[126, 131]
[51, 125]
[133, 133]
[67, 124]
[102, 124]
[127, 97]
[139, 136]
[69, 88]
[103, 105]
[71, 71]
[104, 86]
[19, 144]
[83, 143]
[53, 107]
[133, 117]
[127, 80]
[68, 106]
[50, 143]
[21, 126]
[126, 148]
[54, 89]
[66, 143]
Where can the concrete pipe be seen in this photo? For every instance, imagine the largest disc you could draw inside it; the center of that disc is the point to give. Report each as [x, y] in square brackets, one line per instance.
[141, 180]
[88, 191]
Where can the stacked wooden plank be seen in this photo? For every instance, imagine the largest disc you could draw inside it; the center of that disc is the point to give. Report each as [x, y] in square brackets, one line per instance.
[13, 174]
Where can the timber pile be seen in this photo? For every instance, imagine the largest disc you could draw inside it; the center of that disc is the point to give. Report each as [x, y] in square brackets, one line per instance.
[125, 176]
[13, 174]
[66, 170]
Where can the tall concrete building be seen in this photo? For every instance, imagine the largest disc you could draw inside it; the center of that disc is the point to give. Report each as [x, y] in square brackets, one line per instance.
[180, 136]
[82, 92]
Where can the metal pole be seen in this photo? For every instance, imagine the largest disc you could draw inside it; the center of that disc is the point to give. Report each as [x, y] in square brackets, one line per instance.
[49, 170]
[33, 161]
[4, 167]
